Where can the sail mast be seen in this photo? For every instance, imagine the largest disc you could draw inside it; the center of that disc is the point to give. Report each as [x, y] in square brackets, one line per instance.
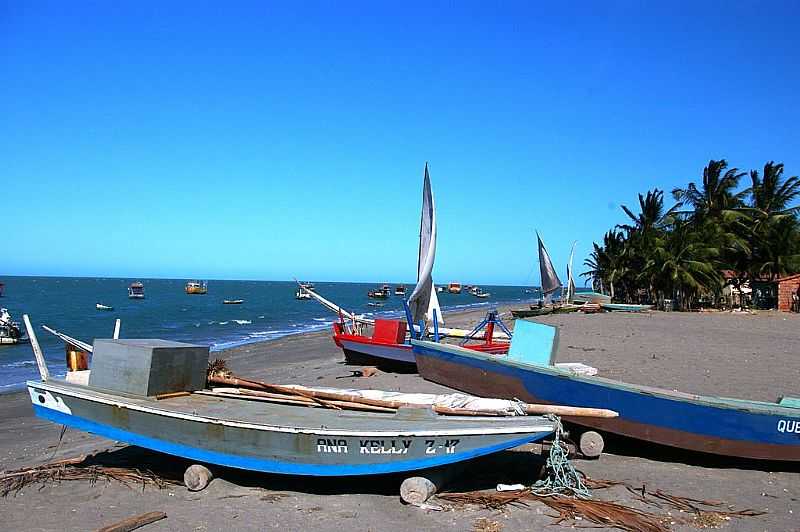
[550, 280]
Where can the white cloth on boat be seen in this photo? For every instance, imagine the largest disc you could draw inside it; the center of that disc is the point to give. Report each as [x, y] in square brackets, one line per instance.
[505, 407]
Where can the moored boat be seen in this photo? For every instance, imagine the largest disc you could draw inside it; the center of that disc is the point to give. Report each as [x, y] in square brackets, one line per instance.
[303, 290]
[400, 290]
[9, 329]
[136, 290]
[380, 293]
[197, 287]
[454, 288]
[717, 425]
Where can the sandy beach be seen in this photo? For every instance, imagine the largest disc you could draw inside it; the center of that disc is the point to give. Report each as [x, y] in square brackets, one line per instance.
[746, 356]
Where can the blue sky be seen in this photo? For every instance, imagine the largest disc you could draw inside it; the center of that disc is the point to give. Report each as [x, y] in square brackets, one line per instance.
[269, 140]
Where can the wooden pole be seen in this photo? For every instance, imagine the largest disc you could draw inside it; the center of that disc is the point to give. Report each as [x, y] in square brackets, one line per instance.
[325, 397]
[37, 350]
[417, 490]
[132, 523]
[117, 325]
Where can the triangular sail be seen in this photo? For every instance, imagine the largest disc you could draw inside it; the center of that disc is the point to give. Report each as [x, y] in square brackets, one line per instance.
[570, 278]
[423, 300]
[550, 280]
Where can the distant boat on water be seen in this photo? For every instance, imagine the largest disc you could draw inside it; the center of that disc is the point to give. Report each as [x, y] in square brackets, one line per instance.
[232, 301]
[197, 287]
[380, 293]
[100, 306]
[9, 329]
[302, 290]
[136, 291]
[400, 290]
[454, 288]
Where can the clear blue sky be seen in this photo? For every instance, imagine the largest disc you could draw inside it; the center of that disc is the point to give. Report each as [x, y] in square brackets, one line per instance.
[265, 140]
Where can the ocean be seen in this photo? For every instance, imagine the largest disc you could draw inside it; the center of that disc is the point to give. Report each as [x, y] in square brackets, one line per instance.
[269, 311]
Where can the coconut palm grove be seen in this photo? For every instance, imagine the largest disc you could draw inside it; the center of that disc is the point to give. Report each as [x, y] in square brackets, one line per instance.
[732, 228]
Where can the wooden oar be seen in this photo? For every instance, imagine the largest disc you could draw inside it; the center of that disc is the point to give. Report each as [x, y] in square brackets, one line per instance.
[323, 396]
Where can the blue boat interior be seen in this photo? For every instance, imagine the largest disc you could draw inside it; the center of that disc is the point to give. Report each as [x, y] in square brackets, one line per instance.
[533, 343]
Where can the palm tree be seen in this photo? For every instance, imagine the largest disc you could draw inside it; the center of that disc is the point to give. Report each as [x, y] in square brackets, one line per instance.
[773, 194]
[716, 195]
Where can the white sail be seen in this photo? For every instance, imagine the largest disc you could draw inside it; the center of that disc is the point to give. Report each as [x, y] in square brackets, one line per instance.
[423, 300]
[570, 278]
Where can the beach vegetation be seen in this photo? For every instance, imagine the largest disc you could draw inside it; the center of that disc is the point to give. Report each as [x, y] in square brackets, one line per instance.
[719, 224]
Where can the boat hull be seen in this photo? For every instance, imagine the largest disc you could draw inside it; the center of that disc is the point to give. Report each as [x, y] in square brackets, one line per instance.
[336, 443]
[733, 428]
[363, 350]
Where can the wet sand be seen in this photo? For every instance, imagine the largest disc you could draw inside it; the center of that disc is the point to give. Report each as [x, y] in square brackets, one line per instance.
[747, 356]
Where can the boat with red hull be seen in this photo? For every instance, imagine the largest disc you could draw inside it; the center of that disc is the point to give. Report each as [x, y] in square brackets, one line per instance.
[723, 426]
[388, 345]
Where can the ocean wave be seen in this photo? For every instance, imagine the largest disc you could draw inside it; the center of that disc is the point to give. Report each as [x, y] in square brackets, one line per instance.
[223, 323]
[19, 364]
[242, 322]
[320, 319]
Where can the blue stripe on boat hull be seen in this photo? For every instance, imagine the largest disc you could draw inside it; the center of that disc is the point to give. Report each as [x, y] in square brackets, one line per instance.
[267, 465]
[649, 416]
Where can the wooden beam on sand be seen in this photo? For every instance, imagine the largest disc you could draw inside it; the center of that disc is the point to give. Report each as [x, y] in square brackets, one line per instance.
[132, 523]
[37, 350]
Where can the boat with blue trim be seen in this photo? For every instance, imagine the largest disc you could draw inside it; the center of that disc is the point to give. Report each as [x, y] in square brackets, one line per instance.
[154, 394]
[717, 425]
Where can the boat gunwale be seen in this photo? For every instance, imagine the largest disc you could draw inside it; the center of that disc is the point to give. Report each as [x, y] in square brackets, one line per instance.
[731, 403]
[94, 395]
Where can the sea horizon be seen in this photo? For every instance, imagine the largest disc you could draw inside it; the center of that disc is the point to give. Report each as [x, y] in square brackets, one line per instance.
[269, 311]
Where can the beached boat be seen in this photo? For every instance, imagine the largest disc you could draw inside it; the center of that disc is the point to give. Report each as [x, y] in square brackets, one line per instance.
[162, 405]
[9, 329]
[454, 288]
[400, 290]
[532, 312]
[197, 287]
[723, 426]
[625, 307]
[232, 301]
[100, 306]
[136, 291]
[590, 297]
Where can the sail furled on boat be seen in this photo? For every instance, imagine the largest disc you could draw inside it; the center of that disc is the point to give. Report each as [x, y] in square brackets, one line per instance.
[550, 280]
[423, 300]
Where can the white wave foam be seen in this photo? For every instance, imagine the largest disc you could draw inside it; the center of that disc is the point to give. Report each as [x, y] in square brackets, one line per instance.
[223, 323]
[243, 322]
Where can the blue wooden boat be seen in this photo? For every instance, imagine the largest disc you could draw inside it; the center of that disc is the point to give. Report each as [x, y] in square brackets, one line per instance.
[625, 307]
[722, 426]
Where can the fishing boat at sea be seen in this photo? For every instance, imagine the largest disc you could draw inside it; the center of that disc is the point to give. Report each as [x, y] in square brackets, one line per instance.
[136, 290]
[303, 290]
[625, 307]
[454, 288]
[380, 293]
[400, 290]
[717, 425]
[100, 306]
[157, 394]
[478, 292]
[197, 287]
[232, 301]
[9, 329]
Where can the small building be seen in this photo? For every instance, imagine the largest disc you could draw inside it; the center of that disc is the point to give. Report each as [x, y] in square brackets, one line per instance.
[780, 293]
[789, 293]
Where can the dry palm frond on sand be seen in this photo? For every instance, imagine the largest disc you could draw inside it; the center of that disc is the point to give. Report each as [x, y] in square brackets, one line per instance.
[80, 468]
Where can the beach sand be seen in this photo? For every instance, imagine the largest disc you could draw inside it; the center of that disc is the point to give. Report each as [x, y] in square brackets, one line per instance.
[747, 356]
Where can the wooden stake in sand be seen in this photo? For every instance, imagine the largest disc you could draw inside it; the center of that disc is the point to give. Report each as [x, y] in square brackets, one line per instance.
[132, 523]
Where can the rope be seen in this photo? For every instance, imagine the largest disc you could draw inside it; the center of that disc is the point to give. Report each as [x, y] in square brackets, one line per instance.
[562, 477]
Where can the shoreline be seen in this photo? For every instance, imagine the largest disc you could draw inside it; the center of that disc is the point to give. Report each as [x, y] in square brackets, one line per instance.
[612, 342]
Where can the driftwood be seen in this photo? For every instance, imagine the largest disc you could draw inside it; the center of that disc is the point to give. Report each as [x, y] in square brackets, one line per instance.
[132, 523]
[328, 398]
